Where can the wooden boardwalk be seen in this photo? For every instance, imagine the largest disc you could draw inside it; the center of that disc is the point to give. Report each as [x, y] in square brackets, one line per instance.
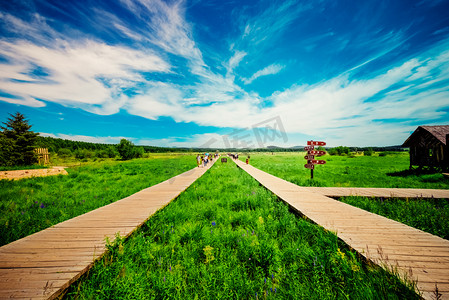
[44, 264]
[417, 254]
[379, 192]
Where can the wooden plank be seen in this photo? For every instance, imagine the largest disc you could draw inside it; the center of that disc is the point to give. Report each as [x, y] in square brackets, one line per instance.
[42, 265]
[380, 192]
[420, 255]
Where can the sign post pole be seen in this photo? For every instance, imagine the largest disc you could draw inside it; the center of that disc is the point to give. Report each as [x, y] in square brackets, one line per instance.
[311, 153]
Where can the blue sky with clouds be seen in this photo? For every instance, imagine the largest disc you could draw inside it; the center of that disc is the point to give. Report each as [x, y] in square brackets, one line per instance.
[185, 73]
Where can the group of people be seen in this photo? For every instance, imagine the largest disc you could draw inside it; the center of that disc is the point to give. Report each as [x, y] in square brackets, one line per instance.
[203, 160]
[236, 156]
[233, 156]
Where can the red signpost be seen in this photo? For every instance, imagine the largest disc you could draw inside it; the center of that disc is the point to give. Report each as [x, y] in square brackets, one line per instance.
[316, 152]
[311, 153]
[316, 162]
[315, 143]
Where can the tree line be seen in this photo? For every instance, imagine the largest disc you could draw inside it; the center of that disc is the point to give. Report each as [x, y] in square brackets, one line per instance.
[18, 141]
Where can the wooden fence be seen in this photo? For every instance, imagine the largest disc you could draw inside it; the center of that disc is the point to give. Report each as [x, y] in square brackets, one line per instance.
[42, 155]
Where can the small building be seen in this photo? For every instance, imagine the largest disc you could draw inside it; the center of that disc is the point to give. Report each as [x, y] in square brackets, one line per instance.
[429, 147]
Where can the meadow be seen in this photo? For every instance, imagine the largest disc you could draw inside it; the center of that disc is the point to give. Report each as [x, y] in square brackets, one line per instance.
[391, 170]
[30, 205]
[226, 237]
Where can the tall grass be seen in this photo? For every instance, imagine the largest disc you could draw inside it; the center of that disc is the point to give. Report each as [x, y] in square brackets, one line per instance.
[30, 205]
[390, 170]
[226, 237]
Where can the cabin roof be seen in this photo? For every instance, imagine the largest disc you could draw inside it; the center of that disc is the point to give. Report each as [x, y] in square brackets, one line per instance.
[439, 132]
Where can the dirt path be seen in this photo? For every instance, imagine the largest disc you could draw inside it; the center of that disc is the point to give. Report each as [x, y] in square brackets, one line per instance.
[20, 174]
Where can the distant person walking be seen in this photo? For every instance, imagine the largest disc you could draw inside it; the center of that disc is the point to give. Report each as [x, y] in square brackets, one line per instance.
[198, 160]
[247, 160]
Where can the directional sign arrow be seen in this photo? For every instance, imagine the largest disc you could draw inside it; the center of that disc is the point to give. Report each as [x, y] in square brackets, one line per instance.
[309, 166]
[316, 152]
[316, 162]
[309, 156]
[308, 148]
[316, 143]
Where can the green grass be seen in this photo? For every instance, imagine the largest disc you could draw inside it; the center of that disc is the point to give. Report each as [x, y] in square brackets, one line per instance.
[226, 237]
[30, 205]
[346, 171]
[430, 215]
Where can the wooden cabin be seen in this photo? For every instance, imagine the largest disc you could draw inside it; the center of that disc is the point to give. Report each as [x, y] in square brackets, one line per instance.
[429, 147]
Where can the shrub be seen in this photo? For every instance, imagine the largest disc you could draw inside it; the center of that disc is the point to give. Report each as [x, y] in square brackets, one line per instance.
[112, 151]
[340, 150]
[101, 154]
[368, 152]
[83, 154]
[64, 152]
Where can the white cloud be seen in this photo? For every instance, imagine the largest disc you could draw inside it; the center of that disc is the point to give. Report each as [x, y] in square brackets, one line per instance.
[167, 28]
[205, 140]
[236, 59]
[158, 100]
[271, 23]
[86, 138]
[104, 78]
[84, 74]
[269, 70]
[341, 110]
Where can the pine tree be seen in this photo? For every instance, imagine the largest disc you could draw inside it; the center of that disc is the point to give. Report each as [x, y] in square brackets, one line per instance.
[17, 142]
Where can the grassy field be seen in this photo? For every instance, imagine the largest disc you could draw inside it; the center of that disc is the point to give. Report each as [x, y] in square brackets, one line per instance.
[226, 237]
[30, 205]
[346, 171]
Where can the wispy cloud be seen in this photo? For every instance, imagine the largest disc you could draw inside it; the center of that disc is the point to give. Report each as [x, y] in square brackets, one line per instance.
[86, 138]
[272, 22]
[372, 88]
[269, 70]
[88, 74]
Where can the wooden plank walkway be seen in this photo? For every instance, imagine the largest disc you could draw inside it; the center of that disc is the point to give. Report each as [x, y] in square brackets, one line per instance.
[379, 192]
[391, 244]
[44, 264]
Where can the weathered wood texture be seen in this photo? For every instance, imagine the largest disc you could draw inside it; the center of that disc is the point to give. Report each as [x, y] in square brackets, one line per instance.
[43, 156]
[379, 192]
[391, 244]
[44, 264]
[428, 146]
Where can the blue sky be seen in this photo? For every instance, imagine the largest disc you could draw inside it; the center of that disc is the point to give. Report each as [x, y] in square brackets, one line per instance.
[195, 73]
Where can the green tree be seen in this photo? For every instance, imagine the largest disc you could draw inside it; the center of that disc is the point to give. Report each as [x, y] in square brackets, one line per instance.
[17, 142]
[64, 152]
[340, 150]
[126, 149]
